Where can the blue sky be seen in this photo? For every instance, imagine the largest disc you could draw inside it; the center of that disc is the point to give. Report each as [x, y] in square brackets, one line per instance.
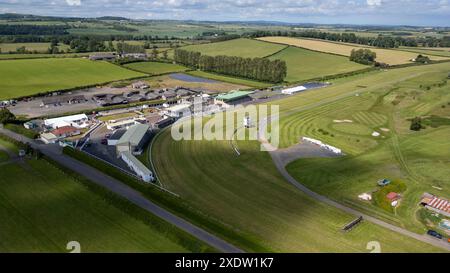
[381, 12]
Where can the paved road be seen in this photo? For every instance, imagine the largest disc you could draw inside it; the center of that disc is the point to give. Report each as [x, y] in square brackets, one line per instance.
[280, 163]
[54, 152]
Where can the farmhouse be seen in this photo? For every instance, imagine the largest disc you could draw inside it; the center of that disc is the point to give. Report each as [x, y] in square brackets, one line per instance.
[78, 121]
[134, 139]
[102, 57]
[232, 98]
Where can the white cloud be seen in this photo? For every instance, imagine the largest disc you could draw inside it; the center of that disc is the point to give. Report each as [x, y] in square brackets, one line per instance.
[73, 2]
[374, 2]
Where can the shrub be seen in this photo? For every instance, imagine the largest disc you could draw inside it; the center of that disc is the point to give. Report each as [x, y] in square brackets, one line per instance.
[18, 128]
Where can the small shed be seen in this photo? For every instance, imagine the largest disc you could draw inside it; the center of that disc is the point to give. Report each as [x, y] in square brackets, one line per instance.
[393, 196]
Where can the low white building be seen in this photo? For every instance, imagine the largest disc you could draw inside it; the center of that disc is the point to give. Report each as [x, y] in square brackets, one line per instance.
[48, 138]
[140, 169]
[293, 90]
[178, 111]
[124, 123]
[78, 121]
[323, 145]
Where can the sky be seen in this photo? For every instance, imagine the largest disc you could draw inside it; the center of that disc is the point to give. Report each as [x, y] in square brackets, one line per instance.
[370, 12]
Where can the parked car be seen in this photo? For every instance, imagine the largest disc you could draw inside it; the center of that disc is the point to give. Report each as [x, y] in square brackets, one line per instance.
[434, 234]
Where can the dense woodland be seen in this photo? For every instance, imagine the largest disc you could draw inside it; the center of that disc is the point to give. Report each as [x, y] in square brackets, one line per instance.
[260, 69]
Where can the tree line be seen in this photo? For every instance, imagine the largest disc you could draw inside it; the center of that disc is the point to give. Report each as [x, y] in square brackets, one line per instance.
[33, 30]
[260, 69]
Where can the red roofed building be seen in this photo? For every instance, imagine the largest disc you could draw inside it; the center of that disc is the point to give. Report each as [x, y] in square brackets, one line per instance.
[66, 131]
[393, 196]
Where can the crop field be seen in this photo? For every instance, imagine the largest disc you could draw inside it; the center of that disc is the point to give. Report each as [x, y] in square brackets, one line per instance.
[247, 48]
[34, 215]
[156, 68]
[420, 159]
[392, 57]
[247, 193]
[27, 77]
[305, 64]
[442, 51]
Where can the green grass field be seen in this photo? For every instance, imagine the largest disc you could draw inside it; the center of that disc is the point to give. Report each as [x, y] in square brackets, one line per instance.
[3, 156]
[27, 77]
[229, 79]
[421, 159]
[38, 47]
[305, 64]
[155, 68]
[247, 48]
[247, 194]
[42, 208]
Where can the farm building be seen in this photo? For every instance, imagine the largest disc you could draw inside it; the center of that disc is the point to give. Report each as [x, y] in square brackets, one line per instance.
[135, 56]
[140, 85]
[233, 98]
[102, 57]
[436, 204]
[134, 139]
[66, 131]
[140, 169]
[78, 121]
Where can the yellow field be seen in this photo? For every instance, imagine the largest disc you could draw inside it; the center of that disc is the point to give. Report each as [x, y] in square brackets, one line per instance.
[392, 57]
